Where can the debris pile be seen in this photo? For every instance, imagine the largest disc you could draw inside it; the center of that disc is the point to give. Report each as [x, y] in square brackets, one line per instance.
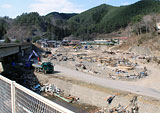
[52, 90]
[131, 108]
[119, 109]
[115, 65]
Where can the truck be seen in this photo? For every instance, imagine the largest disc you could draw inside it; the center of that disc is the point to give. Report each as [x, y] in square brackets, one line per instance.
[46, 67]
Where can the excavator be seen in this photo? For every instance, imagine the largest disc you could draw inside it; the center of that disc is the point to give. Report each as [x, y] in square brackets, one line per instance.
[29, 63]
[46, 67]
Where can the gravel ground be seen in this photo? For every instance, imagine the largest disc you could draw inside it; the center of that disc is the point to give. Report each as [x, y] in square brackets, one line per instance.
[96, 95]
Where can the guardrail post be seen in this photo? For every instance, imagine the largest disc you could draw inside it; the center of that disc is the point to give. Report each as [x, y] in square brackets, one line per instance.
[13, 102]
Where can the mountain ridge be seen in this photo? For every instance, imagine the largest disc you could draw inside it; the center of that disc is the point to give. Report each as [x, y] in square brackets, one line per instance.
[102, 19]
[113, 18]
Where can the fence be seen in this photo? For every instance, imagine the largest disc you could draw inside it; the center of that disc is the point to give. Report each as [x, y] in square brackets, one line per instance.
[15, 98]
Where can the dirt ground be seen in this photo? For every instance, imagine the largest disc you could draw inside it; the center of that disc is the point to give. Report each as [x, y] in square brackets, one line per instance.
[100, 61]
[89, 57]
[96, 95]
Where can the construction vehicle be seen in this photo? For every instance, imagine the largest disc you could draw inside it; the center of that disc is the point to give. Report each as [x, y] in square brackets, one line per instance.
[78, 46]
[75, 47]
[46, 67]
[33, 53]
[29, 63]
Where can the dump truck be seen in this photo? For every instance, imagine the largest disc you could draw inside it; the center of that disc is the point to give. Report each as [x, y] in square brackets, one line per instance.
[46, 67]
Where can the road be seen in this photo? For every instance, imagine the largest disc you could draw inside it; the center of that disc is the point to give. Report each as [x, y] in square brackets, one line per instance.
[120, 85]
[153, 80]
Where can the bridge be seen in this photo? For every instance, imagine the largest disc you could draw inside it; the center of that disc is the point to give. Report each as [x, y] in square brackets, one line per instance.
[7, 49]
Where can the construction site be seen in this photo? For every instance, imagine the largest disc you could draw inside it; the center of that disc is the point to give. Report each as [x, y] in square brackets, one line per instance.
[89, 78]
[102, 62]
[128, 73]
[68, 56]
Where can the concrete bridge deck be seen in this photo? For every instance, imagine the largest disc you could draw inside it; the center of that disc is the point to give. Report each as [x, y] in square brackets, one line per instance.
[7, 49]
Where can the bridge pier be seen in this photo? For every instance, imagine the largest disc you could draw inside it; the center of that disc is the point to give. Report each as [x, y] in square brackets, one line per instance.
[1, 66]
[22, 52]
[25, 50]
[6, 60]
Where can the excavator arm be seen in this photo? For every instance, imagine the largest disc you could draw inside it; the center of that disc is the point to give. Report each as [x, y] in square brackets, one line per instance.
[33, 53]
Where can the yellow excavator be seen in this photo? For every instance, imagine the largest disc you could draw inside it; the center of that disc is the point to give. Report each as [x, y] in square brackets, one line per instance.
[74, 47]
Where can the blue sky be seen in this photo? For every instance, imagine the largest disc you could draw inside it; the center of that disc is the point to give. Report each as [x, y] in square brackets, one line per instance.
[13, 8]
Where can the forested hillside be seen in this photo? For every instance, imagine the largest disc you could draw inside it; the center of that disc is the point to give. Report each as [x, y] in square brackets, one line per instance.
[106, 19]
[3, 27]
[102, 19]
[33, 26]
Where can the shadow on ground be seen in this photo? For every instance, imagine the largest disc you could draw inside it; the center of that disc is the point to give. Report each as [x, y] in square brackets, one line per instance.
[55, 72]
[21, 75]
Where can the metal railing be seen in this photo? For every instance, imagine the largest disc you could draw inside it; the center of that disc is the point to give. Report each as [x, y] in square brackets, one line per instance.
[15, 98]
[5, 96]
